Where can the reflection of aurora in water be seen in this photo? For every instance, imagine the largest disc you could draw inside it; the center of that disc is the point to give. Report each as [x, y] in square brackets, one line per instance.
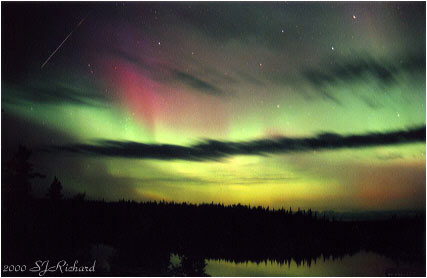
[166, 76]
[360, 264]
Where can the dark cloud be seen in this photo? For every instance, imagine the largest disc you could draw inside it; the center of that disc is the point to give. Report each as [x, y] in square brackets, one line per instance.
[179, 180]
[215, 75]
[328, 96]
[371, 103]
[348, 71]
[216, 150]
[247, 77]
[363, 68]
[196, 83]
[52, 93]
[165, 74]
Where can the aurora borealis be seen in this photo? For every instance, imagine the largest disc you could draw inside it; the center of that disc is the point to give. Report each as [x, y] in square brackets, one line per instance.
[315, 105]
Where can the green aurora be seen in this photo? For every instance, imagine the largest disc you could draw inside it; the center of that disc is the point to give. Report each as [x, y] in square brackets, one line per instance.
[181, 73]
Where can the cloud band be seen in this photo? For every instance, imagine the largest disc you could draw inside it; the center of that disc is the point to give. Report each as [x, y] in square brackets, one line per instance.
[211, 150]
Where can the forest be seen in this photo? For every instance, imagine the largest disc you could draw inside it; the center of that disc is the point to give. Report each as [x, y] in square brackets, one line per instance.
[145, 235]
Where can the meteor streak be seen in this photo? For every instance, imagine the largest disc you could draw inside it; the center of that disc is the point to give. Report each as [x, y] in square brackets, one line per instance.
[47, 60]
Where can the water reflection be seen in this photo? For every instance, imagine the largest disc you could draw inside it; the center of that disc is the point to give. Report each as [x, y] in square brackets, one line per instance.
[361, 264]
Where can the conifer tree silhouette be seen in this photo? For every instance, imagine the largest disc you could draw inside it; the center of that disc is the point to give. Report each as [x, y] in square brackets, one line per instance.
[18, 173]
[54, 191]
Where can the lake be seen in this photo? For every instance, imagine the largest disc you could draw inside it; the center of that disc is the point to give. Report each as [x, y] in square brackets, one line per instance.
[360, 264]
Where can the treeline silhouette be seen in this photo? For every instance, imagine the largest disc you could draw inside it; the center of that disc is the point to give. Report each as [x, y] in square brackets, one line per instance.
[144, 235]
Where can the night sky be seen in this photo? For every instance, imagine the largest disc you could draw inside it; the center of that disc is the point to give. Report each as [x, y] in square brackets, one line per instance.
[316, 105]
